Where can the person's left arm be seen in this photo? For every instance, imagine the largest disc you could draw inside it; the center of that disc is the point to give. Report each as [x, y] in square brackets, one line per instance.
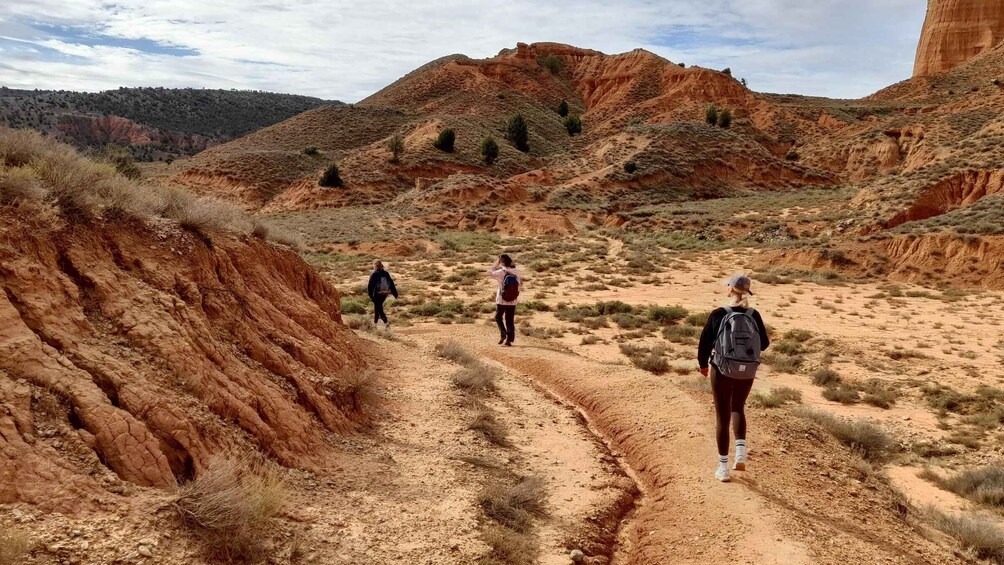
[764, 338]
[393, 287]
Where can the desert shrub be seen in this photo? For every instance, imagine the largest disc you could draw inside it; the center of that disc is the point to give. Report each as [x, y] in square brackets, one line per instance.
[867, 439]
[788, 347]
[981, 537]
[685, 335]
[331, 177]
[19, 184]
[514, 505]
[123, 162]
[698, 320]
[653, 363]
[880, 398]
[825, 377]
[354, 305]
[455, 352]
[445, 141]
[518, 133]
[494, 431]
[14, 546]
[799, 336]
[436, 308]
[984, 485]
[489, 150]
[563, 108]
[232, 504]
[727, 71]
[396, 147]
[787, 394]
[842, 393]
[711, 114]
[628, 321]
[573, 125]
[630, 167]
[667, 315]
[311, 150]
[725, 119]
[508, 547]
[552, 63]
[784, 363]
[776, 398]
[590, 340]
[613, 307]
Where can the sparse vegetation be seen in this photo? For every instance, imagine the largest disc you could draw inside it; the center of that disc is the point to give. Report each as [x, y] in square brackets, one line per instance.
[514, 504]
[488, 425]
[777, 397]
[444, 142]
[573, 125]
[455, 352]
[489, 150]
[396, 147]
[123, 162]
[983, 485]
[825, 377]
[865, 438]
[630, 167]
[14, 546]
[711, 114]
[518, 133]
[563, 108]
[232, 504]
[552, 63]
[331, 178]
[981, 537]
[311, 150]
[725, 119]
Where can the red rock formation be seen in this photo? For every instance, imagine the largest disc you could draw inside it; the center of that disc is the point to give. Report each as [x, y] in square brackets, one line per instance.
[95, 131]
[955, 31]
[164, 348]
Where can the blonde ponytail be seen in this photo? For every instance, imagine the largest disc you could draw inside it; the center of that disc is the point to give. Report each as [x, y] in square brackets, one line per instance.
[739, 298]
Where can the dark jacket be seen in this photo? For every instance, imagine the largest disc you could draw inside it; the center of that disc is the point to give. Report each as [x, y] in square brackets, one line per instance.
[710, 333]
[374, 285]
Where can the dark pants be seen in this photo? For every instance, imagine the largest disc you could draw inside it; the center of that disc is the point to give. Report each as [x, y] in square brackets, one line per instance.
[505, 317]
[378, 313]
[730, 401]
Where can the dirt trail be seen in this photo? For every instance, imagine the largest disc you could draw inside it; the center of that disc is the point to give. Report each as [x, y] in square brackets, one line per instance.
[789, 508]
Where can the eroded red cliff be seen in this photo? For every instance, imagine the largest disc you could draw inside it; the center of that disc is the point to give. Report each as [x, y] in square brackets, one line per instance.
[955, 31]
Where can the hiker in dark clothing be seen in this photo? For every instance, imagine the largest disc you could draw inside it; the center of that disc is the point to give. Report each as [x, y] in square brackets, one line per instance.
[732, 374]
[380, 287]
[509, 281]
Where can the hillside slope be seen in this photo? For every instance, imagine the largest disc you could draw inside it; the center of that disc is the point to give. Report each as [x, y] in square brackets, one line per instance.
[154, 123]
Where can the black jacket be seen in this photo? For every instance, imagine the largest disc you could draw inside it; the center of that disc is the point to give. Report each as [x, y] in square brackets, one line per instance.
[374, 285]
[710, 333]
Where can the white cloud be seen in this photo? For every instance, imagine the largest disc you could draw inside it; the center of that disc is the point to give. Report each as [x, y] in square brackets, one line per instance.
[347, 49]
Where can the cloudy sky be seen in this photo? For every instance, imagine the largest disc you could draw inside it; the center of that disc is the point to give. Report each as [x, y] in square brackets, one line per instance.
[348, 49]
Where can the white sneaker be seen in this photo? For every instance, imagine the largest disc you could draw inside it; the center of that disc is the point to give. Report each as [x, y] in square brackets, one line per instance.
[740, 464]
[722, 474]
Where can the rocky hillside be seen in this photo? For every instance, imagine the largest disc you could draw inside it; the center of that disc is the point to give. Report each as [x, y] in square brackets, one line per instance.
[955, 31]
[154, 123]
[145, 331]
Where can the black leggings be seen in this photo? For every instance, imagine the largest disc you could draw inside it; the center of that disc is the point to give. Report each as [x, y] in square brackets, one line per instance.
[730, 399]
[378, 313]
[505, 317]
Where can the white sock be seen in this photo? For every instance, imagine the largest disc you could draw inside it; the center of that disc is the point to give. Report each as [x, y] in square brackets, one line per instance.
[740, 449]
[723, 460]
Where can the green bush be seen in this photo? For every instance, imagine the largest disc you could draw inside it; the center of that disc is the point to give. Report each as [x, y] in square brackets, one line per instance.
[725, 119]
[445, 140]
[396, 147]
[563, 108]
[331, 178]
[489, 150]
[711, 114]
[552, 63]
[630, 167]
[667, 315]
[825, 377]
[311, 150]
[613, 307]
[573, 124]
[518, 132]
[123, 162]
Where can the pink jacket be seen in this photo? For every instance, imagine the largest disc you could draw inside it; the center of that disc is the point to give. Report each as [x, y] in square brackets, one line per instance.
[499, 275]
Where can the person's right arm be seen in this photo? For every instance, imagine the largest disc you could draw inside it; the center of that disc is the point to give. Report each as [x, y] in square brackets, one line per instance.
[371, 287]
[707, 341]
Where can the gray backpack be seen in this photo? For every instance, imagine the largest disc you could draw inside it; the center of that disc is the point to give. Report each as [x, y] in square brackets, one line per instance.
[737, 347]
[383, 287]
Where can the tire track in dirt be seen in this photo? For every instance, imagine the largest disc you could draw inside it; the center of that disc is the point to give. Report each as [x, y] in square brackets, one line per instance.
[684, 515]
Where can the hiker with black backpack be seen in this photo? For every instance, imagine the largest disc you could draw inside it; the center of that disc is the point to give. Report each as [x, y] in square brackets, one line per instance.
[504, 271]
[731, 344]
[380, 287]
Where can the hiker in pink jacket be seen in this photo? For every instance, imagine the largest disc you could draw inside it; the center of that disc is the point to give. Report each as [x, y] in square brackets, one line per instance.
[504, 271]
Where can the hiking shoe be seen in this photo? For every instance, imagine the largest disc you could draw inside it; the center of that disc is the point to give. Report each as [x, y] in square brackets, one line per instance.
[501, 341]
[508, 344]
[722, 474]
[740, 464]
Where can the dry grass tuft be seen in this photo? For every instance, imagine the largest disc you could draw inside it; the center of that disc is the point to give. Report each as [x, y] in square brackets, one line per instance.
[14, 547]
[232, 504]
[514, 505]
[508, 547]
[984, 485]
[477, 379]
[489, 426]
[980, 537]
[866, 439]
[454, 352]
